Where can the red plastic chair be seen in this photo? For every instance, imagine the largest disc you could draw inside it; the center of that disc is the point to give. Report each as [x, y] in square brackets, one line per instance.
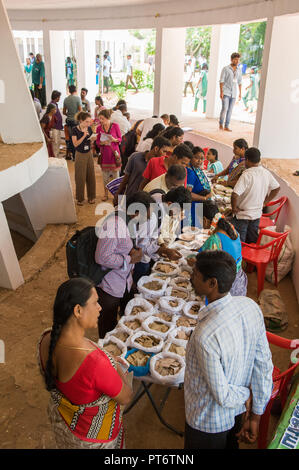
[259, 255]
[265, 220]
[281, 381]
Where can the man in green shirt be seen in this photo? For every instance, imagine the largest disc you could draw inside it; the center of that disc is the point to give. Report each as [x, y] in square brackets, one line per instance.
[38, 80]
[71, 106]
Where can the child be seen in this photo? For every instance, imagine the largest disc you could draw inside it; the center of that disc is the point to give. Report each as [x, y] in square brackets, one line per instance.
[199, 153]
[214, 166]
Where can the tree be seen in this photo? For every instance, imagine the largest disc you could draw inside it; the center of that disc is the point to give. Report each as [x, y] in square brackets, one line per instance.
[198, 41]
[251, 43]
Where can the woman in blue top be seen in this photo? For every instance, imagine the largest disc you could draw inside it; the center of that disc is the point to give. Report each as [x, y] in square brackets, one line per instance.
[198, 184]
[223, 236]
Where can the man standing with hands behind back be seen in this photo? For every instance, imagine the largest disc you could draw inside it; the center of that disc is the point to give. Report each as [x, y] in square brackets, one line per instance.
[230, 78]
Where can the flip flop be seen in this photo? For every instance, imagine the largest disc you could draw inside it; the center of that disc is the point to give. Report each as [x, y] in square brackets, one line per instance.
[296, 173]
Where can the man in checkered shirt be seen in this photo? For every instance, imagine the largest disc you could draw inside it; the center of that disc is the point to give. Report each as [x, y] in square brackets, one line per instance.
[228, 361]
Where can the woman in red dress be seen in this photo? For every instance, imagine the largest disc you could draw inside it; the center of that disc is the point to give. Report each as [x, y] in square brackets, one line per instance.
[46, 123]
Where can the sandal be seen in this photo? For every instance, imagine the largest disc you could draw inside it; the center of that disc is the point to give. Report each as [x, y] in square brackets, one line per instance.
[92, 201]
[80, 203]
[296, 173]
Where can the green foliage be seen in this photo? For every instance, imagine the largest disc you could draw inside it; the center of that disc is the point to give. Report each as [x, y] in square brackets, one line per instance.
[198, 41]
[251, 43]
[119, 90]
[150, 80]
[140, 78]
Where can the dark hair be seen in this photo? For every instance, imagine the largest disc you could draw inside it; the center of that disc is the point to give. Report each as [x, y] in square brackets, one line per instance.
[142, 197]
[209, 210]
[106, 52]
[122, 108]
[182, 151]
[106, 113]
[99, 98]
[31, 53]
[120, 102]
[172, 131]
[75, 291]
[189, 144]
[217, 264]
[50, 107]
[55, 94]
[178, 172]
[235, 55]
[72, 88]
[173, 119]
[82, 115]
[253, 155]
[204, 66]
[105, 56]
[165, 116]
[160, 142]
[32, 93]
[84, 89]
[214, 152]
[157, 128]
[197, 149]
[241, 143]
[180, 195]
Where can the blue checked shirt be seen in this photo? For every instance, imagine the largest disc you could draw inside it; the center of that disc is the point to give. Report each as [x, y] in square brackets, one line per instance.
[227, 353]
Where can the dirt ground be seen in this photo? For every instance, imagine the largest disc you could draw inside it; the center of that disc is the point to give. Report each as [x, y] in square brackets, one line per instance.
[26, 312]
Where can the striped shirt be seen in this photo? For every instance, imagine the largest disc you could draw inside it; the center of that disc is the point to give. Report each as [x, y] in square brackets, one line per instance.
[227, 354]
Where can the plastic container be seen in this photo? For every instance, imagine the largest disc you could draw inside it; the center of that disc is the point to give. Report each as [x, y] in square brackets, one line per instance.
[139, 371]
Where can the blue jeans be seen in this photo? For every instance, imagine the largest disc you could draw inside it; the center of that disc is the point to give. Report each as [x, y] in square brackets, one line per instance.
[226, 110]
[248, 229]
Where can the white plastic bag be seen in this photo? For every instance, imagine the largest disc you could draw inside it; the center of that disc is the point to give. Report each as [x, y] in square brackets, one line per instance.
[128, 318]
[188, 307]
[119, 330]
[174, 272]
[285, 258]
[111, 339]
[149, 320]
[176, 343]
[173, 335]
[152, 293]
[148, 308]
[154, 349]
[168, 379]
[175, 282]
[186, 272]
[165, 306]
[174, 291]
[191, 229]
[163, 277]
[185, 322]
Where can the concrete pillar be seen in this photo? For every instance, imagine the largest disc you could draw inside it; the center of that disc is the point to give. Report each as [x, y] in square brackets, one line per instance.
[14, 92]
[58, 63]
[48, 63]
[224, 41]
[169, 71]
[276, 128]
[86, 62]
[10, 273]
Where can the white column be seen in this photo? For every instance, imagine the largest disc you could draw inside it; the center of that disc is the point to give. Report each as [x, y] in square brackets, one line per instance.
[10, 273]
[86, 60]
[58, 63]
[169, 71]
[276, 129]
[14, 92]
[224, 41]
[47, 62]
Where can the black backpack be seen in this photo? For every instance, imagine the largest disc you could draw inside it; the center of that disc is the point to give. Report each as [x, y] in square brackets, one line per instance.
[80, 255]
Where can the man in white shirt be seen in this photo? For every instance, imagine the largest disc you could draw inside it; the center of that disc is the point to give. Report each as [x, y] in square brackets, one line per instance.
[145, 127]
[119, 117]
[106, 73]
[130, 73]
[254, 189]
[189, 77]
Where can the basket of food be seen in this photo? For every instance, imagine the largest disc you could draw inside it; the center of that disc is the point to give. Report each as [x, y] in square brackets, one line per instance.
[168, 368]
[154, 324]
[148, 342]
[139, 361]
[151, 287]
[171, 304]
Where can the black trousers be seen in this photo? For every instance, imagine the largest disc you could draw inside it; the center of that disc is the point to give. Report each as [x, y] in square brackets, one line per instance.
[195, 439]
[111, 306]
[40, 94]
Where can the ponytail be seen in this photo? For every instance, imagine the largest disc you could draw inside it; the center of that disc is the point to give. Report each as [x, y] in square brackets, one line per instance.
[223, 224]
